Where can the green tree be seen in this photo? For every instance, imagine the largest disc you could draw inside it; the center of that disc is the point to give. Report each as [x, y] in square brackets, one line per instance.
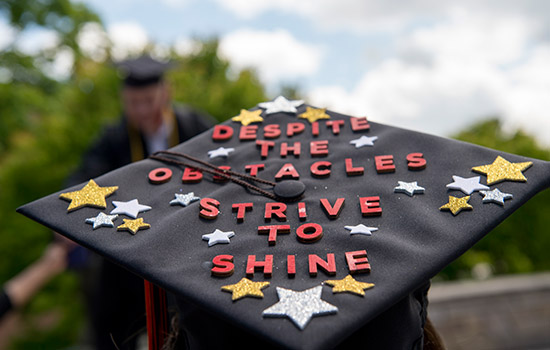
[519, 244]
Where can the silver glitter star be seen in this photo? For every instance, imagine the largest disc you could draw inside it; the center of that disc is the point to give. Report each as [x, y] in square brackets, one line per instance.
[361, 230]
[495, 196]
[281, 104]
[220, 152]
[364, 141]
[102, 220]
[131, 208]
[409, 188]
[218, 237]
[184, 199]
[466, 185]
[300, 307]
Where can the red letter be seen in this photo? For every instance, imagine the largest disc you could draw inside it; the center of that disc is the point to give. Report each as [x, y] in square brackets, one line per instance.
[248, 132]
[272, 131]
[359, 123]
[223, 266]
[241, 210]
[287, 171]
[328, 266]
[253, 168]
[191, 176]
[318, 148]
[272, 232]
[302, 214]
[351, 171]
[222, 133]
[333, 212]
[218, 178]
[264, 147]
[160, 175]
[370, 206]
[294, 149]
[209, 208]
[416, 161]
[315, 129]
[253, 265]
[294, 129]
[335, 124]
[291, 265]
[384, 164]
[275, 208]
[357, 261]
[320, 169]
[309, 233]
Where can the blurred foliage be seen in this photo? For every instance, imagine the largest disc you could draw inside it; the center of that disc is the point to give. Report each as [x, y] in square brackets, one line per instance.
[520, 243]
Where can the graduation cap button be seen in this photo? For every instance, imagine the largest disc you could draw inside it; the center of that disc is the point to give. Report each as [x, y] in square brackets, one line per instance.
[289, 190]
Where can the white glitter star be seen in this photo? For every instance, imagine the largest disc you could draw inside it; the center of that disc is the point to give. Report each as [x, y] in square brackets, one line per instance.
[131, 208]
[280, 104]
[220, 152]
[218, 237]
[495, 196]
[184, 199]
[300, 307]
[409, 188]
[102, 220]
[361, 230]
[466, 185]
[364, 141]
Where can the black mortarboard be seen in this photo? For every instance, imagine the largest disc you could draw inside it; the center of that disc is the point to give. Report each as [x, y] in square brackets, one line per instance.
[142, 71]
[384, 210]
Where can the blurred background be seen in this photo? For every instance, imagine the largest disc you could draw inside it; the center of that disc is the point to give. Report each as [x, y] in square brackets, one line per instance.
[478, 72]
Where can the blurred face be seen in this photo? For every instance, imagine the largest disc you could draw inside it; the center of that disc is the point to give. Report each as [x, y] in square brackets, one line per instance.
[144, 105]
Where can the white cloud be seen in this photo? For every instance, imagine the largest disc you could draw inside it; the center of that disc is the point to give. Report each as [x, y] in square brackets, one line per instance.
[33, 41]
[7, 34]
[93, 41]
[186, 46]
[451, 74]
[128, 38]
[276, 55]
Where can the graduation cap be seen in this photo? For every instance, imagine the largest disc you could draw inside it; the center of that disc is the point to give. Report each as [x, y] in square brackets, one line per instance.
[142, 71]
[297, 226]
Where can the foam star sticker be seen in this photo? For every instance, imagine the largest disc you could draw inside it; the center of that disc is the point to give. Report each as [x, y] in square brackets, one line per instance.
[361, 230]
[456, 205]
[131, 208]
[314, 114]
[495, 196]
[364, 141]
[409, 188]
[281, 104]
[184, 199]
[248, 117]
[467, 185]
[102, 220]
[300, 307]
[133, 225]
[90, 195]
[502, 170]
[220, 152]
[218, 237]
[349, 284]
[246, 288]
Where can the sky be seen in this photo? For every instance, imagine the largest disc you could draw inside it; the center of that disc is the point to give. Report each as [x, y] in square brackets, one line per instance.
[426, 65]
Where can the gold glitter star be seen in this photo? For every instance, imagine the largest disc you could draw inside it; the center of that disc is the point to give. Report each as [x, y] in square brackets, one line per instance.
[90, 195]
[349, 284]
[456, 204]
[248, 117]
[246, 288]
[133, 225]
[314, 114]
[502, 170]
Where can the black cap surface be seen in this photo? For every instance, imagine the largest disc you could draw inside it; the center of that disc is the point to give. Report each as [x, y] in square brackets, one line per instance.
[381, 214]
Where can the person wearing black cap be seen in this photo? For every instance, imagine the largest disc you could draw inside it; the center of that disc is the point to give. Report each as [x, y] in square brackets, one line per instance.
[149, 123]
[297, 227]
